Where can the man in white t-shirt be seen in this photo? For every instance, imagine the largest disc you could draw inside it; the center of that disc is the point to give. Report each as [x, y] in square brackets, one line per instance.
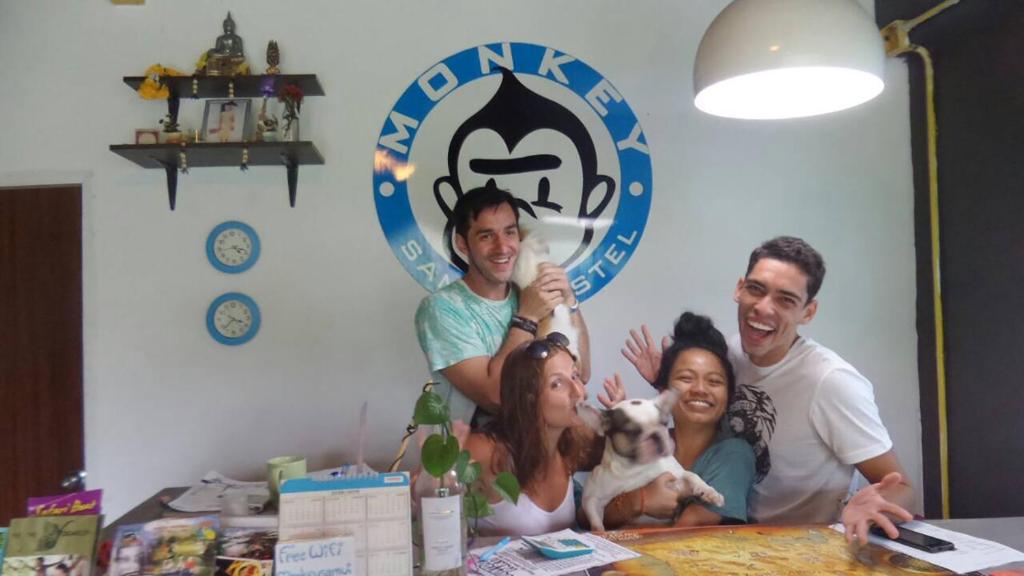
[809, 414]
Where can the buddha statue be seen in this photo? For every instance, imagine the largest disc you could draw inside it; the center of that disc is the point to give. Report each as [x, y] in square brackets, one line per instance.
[229, 43]
[227, 57]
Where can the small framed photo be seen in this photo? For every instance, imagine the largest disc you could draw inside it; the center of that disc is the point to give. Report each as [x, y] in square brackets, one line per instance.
[147, 136]
[226, 120]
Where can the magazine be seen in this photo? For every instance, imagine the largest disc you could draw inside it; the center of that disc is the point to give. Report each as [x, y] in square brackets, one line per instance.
[179, 546]
[3, 545]
[126, 551]
[51, 546]
[85, 503]
[246, 551]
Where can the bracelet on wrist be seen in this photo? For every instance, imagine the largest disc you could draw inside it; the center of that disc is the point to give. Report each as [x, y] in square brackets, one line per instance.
[575, 307]
[524, 324]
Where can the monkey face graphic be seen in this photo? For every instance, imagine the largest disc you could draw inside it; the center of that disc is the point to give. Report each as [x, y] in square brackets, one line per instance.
[526, 118]
[539, 151]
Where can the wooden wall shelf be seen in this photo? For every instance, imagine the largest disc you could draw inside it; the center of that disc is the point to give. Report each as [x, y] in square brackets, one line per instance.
[206, 154]
[244, 86]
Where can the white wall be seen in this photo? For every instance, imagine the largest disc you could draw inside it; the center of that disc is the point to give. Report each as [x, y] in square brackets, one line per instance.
[164, 403]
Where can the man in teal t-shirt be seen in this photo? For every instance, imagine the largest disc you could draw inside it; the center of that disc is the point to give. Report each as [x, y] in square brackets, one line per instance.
[467, 328]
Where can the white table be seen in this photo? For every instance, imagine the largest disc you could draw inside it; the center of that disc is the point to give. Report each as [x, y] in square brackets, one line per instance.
[1006, 531]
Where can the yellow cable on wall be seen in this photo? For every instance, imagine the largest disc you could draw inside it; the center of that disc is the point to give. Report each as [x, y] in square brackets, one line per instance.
[897, 42]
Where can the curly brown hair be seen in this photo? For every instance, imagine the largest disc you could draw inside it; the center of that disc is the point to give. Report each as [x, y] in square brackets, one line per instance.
[519, 426]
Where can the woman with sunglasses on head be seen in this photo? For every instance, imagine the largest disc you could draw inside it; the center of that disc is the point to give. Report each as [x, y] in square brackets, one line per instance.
[696, 363]
[537, 436]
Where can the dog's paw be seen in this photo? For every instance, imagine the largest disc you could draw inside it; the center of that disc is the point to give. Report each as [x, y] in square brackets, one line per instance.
[711, 496]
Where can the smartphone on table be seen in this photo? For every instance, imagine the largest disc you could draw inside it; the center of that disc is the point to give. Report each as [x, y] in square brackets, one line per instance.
[916, 539]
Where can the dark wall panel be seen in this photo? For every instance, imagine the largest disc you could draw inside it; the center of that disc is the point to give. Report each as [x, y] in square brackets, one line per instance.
[978, 50]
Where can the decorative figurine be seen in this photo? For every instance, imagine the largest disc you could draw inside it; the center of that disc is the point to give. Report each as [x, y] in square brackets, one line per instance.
[227, 57]
[273, 57]
[172, 132]
[266, 124]
[229, 43]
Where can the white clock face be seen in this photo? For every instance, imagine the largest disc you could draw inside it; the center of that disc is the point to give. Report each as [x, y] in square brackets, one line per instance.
[232, 319]
[232, 247]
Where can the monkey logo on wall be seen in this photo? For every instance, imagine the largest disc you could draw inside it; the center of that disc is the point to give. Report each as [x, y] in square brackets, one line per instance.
[540, 124]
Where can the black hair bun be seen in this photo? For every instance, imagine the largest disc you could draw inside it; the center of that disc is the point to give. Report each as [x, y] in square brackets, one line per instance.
[697, 330]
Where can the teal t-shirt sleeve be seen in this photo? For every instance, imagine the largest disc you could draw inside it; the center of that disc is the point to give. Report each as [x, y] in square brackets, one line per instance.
[445, 336]
[728, 467]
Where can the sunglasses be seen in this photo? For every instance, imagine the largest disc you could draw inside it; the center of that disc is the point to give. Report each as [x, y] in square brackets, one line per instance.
[542, 348]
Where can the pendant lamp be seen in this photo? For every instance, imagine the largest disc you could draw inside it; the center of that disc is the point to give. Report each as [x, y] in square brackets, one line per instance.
[773, 59]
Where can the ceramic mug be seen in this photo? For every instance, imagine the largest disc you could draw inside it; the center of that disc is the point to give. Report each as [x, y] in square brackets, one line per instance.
[282, 468]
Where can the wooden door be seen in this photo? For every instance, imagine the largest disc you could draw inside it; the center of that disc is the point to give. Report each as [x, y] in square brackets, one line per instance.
[41, 426]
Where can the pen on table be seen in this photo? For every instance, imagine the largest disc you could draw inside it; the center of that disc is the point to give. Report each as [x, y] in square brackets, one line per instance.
[495, 549]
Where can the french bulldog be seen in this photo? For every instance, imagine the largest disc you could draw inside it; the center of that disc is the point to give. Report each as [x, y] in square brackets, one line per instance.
[532, 251]
[638, 449]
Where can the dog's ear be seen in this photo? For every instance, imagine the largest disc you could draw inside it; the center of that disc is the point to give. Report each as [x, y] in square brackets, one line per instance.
[666, 401]
[595, 419]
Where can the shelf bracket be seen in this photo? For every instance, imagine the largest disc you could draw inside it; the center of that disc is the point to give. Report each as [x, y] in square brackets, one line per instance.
[171, 170]
[172, 107]
[293, 177]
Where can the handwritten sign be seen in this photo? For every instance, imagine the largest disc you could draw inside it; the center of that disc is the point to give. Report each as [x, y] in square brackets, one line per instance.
[320, 557]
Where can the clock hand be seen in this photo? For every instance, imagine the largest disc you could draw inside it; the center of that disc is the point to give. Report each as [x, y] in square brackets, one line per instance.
[239, 250]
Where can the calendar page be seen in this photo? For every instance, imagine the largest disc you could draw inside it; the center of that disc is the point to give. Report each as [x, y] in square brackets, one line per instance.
[374, 509]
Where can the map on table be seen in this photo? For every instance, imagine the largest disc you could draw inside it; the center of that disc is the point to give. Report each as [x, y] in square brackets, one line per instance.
[755, 550]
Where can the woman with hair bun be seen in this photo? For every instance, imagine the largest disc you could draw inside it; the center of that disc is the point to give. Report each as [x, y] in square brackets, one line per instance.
[695, 362]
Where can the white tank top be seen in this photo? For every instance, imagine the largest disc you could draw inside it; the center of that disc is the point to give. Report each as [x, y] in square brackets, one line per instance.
[527, 519]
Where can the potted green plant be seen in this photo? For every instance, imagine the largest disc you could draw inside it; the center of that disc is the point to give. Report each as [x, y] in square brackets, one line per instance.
[446, 487]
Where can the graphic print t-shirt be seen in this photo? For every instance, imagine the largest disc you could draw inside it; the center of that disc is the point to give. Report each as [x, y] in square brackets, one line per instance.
[811, 417]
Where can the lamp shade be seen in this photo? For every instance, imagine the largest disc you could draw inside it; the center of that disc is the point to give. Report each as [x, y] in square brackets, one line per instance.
[771, 59]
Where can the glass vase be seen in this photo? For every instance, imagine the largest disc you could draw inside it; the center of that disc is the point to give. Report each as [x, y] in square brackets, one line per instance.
[290, 130]
[439, 525]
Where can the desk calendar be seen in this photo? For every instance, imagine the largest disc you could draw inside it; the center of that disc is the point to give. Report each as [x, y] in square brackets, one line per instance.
[373, 508]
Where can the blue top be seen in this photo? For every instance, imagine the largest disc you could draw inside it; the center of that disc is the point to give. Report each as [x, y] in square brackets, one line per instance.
[728, 466]
[455, 324]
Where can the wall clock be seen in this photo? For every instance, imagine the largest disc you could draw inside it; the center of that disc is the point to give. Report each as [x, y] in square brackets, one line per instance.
[232, 247]
[233, 319]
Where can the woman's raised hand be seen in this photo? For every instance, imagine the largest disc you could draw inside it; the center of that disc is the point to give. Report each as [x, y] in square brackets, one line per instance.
[644, 354]
[614, 392]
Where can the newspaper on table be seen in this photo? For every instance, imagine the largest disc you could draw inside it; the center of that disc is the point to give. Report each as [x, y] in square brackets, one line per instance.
[213, 490]
[520, 559]
[971, 553]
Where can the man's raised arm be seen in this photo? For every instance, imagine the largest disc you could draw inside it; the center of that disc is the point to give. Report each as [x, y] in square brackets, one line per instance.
[479, 378]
